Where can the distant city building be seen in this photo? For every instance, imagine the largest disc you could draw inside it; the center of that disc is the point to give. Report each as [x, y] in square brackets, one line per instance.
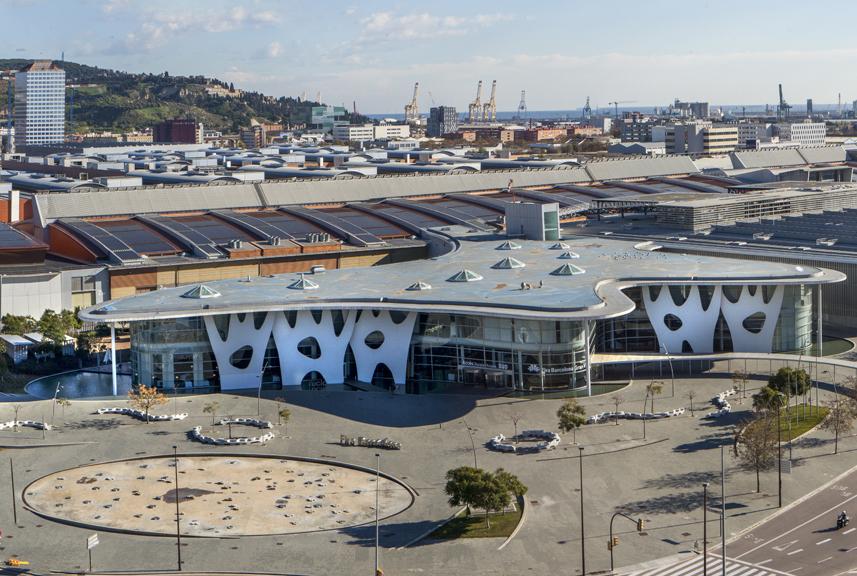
[442, 120]
[540, 134]
[750, 134]
[691, 109]
[809, 106]
[391, 131]
[258, 134]
[354, 133]
[803, 133]
[178, 131]
[326, 117]
[637, 129]
[39, 104]
[585, 131]
[493, 133]
[639, 148]
[701, 138]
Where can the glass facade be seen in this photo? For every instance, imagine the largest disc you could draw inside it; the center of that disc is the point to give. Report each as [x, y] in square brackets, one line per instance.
[449, 350]
[172, 354]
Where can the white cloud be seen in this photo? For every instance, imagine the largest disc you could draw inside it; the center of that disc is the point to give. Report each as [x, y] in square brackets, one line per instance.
[275, 49]
[381, 26]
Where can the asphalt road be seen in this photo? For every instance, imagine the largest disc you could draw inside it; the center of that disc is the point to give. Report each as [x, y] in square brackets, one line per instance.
[804, 539]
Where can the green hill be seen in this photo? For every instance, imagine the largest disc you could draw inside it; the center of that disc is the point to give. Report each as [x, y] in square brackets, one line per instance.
[121, 101]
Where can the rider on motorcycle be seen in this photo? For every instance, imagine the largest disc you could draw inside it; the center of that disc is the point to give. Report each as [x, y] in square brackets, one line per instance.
[842, 519]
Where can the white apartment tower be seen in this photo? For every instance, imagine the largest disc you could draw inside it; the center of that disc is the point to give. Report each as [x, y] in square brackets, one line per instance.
[39, 104]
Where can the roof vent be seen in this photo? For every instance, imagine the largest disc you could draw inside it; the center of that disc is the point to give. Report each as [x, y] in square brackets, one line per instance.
[464, 276]
[569, 255]
[201, 291]
[303, 284]
[509, 245]
[568, 270]
[419, 286]
[508, 263]
[560, 246]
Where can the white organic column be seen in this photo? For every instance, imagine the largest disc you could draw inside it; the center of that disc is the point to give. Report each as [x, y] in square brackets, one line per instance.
[294, 365]
[238, 335]
[588, 360]
[113, 357]
[748, 304]
[820, 336]
[697, 324]
[393, 352]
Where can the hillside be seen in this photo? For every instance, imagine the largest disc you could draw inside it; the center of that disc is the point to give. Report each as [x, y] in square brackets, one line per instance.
[121, 101]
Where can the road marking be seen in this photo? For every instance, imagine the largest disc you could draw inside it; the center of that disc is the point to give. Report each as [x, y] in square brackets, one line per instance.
[820, 542]
[763, 562]
[813, 519]
[693, 567]
[825, 560]
[782, 547]
[793, 552]
[849, 531]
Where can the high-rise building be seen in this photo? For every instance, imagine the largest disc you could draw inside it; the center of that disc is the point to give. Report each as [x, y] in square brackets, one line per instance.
[178, 131]
[39, 104]
[442, 120]
[701, 138]
[803, 133]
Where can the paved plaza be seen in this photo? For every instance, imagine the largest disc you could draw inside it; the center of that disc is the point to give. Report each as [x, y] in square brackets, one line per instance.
[658, 478]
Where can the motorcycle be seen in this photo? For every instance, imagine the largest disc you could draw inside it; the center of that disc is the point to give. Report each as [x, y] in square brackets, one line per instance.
[842, 522]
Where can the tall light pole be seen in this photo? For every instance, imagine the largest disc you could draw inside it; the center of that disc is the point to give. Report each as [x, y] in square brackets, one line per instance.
[54, 404]
[259, 394]
[705, 529]
[722, 513]
[178, 525]
[377, 493]
[582, 534]
[779, 458]
[472, 442]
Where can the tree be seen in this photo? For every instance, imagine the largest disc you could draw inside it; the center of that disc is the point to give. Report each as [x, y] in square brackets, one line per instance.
[515, 419]
[477, 488]
[653, 388]
[790, 381]
[145, 398]
[617, 400]
[757, 445]
[740, 379]
[839, 420]
[691, 394]
[52, 327]
[767, 399]
[211, 408]
[64, 403]
[571, 417]
[283, 416]
[70, 320]
[17, 325]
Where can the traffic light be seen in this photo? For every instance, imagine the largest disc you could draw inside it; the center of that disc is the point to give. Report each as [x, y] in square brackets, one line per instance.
[641, 525]
[613, 542]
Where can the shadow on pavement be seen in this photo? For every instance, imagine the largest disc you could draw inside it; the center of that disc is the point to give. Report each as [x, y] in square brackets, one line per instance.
[392, 534]
[93, 424]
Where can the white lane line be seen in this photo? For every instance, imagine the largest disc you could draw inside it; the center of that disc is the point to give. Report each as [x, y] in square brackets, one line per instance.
[795, 570]
[782, 547]
[820, 542]
[849, 531]
[825, 560]
[813, 519]
[763, 562]
[793, 552]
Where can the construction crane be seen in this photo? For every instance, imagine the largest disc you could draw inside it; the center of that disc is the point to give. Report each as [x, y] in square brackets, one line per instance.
[431, 97]
[489, 110]
[784, 107]
[616, 106]
[586, 113]
[412, 108]
[474, 110]
[522, 107]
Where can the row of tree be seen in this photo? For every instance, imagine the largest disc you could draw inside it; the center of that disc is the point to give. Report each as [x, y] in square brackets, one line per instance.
[53, 326]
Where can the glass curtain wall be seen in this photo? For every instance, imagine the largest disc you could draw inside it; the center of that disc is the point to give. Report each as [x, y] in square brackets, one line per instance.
[172, 355]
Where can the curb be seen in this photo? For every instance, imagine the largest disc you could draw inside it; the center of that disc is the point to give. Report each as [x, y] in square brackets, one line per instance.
[432, 529]
[520, 525]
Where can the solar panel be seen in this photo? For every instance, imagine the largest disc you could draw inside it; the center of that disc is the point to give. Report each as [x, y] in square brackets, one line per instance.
[13, 238]
[372, 224]
[189, 238]
[263, 228]
[297, 228]
[444, 212]
[485, 200]
[102, 241]
[138, 237]
[465, 210]
[217, 231]
[355, 234]
[420, 219]
[568, 200]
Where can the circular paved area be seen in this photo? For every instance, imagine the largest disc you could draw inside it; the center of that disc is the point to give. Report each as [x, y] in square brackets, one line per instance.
[218, 496]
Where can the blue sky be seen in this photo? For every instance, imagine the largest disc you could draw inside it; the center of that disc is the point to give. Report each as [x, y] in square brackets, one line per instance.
[560, 52]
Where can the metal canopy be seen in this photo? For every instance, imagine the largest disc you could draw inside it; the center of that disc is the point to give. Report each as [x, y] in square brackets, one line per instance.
[258, 227]
[191, 240]
[446, 214]
[102, 241]
[339, 226]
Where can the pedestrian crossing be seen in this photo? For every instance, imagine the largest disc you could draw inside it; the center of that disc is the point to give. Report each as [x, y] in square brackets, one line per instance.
[694, 567]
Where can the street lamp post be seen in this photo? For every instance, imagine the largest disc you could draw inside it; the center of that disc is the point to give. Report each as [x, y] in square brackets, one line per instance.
[472, 442]
[178, 525]
[705, 529]
[377, 492]
[582, 532]
[259, 394]
[54, 404]
[779, 458]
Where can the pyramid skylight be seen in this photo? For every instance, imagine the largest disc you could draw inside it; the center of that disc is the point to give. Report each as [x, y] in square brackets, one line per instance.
[464, 276]
[303, 284]
[508, 263]
[509, 245]
[569, 255]
[568, 270]
[201, 291]
[560, 246]
[419, 286]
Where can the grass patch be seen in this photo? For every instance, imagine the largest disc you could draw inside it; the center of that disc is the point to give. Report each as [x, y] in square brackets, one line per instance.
[802, 420]
[469, 526]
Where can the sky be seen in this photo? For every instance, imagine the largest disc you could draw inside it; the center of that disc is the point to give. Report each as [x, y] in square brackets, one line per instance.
[642, 53]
